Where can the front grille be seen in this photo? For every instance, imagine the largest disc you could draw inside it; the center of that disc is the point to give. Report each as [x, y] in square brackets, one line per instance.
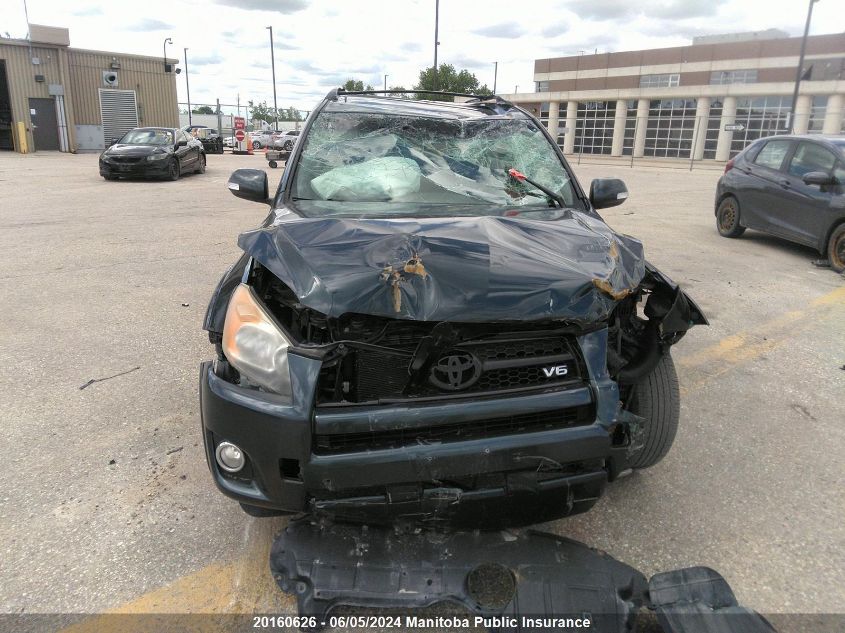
[127, 159]
[504, 362]
[476, 429]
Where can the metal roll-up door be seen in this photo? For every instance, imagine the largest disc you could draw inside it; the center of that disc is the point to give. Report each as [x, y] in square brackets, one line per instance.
[119, 111]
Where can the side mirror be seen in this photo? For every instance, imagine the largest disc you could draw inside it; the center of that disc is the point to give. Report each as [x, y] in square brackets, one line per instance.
[249, 184]
[607, 192]
[181, 143]
[818, 178]
[113, 141]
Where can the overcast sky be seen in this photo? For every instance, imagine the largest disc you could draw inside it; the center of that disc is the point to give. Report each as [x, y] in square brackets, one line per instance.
[321, 43]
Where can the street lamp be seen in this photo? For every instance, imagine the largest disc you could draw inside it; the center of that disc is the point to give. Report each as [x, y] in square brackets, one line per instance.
[495, 75]
[167, 41]
[385, 81]
[800, 68]
[273, 66]
[188, 87]
[436, 43]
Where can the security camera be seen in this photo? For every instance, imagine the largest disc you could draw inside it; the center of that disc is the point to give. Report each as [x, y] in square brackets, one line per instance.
[178, 70]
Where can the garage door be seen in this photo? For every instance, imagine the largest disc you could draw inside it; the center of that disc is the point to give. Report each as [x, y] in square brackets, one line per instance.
[119, 111]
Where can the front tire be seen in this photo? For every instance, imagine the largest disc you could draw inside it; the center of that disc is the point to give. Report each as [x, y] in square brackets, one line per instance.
[256, 145]
[201, 164]
[836, 249]
[657, 399]
[288, 146]
[273, 164]
[173, 170]
[727, 218]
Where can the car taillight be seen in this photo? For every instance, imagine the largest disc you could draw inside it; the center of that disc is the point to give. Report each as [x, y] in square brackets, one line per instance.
[729, 165]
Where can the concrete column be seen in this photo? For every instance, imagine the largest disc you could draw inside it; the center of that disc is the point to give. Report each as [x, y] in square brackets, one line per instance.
[571, 116]
[833, 114]
[723, 145]
[699, 133]
[802, 114]
[642, 124]
[619, 127]
[553, 119]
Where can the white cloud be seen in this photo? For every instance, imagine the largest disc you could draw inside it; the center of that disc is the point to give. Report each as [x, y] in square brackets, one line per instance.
[319, 45]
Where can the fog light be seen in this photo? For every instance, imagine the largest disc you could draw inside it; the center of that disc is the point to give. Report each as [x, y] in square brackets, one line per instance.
[229, 457]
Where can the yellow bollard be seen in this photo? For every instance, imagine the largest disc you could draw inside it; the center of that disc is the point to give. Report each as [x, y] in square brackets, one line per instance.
[21, 137]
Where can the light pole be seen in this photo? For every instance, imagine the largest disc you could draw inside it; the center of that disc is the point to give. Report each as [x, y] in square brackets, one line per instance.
[385, 82]
[516, 89]
[273, 66]
[495, 75]
[167, 41]
[800, 68]
[436, 43]
[188, 87]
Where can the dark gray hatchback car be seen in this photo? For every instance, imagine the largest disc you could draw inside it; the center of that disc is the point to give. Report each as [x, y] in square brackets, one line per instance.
[791, 187]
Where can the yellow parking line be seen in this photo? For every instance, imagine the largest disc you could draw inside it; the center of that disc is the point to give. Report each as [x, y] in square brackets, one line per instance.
[718, 359]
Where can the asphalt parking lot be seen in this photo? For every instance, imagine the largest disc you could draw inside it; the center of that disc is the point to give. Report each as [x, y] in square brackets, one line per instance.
[106, 503]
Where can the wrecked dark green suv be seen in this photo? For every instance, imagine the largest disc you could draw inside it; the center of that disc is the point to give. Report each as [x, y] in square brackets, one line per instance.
[434, 324]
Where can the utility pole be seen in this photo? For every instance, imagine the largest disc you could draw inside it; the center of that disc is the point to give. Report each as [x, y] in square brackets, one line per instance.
[495, 75]
[516, 89]
[436, 43]
[385, 81]
[273, 66]
[800, 68]
[188, 87]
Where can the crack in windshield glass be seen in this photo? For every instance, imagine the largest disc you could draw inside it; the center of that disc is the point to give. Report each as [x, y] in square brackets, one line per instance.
[387, 159]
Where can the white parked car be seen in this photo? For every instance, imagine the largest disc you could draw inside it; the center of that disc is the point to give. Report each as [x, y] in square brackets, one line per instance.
[285, 140]
[260, 138]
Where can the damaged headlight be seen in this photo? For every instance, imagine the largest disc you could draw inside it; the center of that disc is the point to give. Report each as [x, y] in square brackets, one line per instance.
[254, 344]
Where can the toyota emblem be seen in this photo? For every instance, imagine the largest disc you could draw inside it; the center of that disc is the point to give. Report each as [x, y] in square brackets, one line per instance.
[455, 370]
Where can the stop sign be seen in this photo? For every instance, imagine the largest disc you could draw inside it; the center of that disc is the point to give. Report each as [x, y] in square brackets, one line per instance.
[239, 135]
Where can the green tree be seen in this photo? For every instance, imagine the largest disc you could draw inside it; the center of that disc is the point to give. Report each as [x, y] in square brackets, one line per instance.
[203, 109]
[261, 112]
[355, 85]
[289, 114]
[448, 81]
[404, 96]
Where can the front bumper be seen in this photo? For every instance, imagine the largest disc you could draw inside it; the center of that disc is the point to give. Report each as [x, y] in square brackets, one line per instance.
[140, 169]
[526, 476]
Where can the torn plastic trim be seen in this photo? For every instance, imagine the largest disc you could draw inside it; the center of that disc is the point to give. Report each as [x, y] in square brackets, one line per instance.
[506, 581]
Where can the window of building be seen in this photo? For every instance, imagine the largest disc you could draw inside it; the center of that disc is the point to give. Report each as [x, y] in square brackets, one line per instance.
[714, 123]
[772, 154]
[541, 86]
[631, 125]
[826, 69]
[594, 127]
[670, 128]
[660, 81]
[723, 77]
[818, 108]
[760, 117]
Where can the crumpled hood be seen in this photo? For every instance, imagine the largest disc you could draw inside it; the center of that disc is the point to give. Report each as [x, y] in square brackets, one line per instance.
[461, 269]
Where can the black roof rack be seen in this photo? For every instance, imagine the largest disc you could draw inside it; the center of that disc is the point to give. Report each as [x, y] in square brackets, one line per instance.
[334, 93]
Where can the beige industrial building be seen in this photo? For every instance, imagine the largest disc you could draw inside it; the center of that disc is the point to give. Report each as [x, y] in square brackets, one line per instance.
[54, 97]
[708, 100]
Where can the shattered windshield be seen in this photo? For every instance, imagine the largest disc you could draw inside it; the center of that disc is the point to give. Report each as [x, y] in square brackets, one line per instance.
[381, 161]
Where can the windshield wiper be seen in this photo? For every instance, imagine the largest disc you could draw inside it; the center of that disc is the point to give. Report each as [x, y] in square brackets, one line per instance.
[518, 175]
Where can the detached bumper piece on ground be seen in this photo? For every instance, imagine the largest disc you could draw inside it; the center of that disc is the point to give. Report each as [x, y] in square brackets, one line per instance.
[517, 581]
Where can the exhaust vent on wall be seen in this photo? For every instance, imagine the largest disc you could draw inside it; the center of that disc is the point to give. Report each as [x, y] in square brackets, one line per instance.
[110, 79]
